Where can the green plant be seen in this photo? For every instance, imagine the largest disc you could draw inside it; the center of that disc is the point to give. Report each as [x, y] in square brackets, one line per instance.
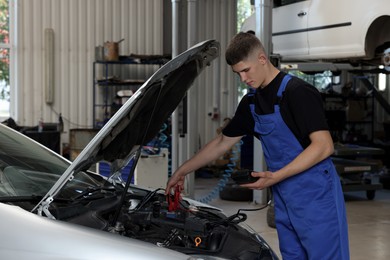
[4, 52]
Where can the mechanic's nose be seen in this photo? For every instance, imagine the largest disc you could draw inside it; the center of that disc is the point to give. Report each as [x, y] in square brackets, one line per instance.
[243, 78]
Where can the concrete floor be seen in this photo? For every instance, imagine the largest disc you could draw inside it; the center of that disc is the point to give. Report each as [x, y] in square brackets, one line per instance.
[368, 221]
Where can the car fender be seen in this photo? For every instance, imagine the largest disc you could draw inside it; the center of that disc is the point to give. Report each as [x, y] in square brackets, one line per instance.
[29, 236]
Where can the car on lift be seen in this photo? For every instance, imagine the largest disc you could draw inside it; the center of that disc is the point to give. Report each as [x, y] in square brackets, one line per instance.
[52, 208]
[354, 31]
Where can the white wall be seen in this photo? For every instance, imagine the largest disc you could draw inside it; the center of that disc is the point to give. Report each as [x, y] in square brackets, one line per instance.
[216, 87]
[79, 26]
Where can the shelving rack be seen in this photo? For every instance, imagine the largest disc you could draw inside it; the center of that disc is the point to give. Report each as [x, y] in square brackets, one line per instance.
[110, 83]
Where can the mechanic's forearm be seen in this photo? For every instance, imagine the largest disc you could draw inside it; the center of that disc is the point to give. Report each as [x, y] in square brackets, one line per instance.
[318, 150]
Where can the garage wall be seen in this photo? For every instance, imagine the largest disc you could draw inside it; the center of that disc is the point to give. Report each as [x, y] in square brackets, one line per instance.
[81, 25]
[216, 88]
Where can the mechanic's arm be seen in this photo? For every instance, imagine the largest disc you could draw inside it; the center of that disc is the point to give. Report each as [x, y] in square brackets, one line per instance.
[320, 148]
[210, 152]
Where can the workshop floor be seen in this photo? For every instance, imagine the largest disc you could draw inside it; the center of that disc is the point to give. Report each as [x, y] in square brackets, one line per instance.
[368, 221]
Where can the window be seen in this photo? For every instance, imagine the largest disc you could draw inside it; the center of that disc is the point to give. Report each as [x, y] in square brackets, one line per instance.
[244, 10]
[322, 81]
[5, 48]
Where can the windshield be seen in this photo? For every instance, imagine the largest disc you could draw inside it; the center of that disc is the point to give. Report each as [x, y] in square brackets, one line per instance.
[28, 169]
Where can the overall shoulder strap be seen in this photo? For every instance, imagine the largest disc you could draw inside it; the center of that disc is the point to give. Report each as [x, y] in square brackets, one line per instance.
[283, 85]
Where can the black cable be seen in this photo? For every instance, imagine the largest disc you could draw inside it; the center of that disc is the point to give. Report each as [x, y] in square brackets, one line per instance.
[233, 219]
[261, 208]
[147, 198]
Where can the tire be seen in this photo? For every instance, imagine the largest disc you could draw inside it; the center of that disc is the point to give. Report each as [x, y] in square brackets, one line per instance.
[236, 193]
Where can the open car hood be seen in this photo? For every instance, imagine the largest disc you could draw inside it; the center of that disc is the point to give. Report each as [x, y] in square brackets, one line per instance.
[140, 119]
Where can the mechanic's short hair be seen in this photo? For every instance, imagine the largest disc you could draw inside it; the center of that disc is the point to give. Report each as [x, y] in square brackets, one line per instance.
[241, 46]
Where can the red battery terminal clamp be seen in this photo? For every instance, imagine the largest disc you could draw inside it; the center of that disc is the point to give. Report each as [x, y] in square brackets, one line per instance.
[174, 200]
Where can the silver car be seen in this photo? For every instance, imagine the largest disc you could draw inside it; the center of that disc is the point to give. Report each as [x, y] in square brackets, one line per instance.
[54, 209]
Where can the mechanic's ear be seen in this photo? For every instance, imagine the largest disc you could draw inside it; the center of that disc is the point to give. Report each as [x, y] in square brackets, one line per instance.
[262, 58]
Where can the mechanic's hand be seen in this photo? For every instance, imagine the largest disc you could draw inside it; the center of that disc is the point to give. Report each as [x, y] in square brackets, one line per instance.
[266, 180]
[176, 180]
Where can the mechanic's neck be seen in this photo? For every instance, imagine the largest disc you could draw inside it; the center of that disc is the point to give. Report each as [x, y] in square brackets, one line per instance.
[271, 74]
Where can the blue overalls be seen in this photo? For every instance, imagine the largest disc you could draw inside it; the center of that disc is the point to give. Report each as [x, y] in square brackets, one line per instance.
[309, 207]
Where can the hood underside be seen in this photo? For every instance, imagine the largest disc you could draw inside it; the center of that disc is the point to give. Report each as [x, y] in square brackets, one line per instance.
[140, 119]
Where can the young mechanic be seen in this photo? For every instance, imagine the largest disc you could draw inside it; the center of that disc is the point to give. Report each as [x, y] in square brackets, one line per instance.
[287, 115]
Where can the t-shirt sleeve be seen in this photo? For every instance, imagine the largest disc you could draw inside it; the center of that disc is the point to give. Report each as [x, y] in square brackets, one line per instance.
[306, 106]
[242, 122]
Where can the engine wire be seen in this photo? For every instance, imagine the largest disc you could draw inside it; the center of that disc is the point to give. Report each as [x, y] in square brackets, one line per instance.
[233, 219]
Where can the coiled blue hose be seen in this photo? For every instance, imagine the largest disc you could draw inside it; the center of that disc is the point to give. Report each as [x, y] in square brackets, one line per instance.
[161, 140]
[231, 166]
[165, 143]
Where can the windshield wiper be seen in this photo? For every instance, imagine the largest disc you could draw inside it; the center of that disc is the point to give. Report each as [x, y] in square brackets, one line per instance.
[91, 192]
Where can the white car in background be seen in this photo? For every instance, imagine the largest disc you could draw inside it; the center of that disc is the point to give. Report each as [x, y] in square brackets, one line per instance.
[357, 31]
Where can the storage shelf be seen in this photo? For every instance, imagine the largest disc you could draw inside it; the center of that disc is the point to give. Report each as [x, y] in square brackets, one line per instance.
[108, 83]
[139, 59]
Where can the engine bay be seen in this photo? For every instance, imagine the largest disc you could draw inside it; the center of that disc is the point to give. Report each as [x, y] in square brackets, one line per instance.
[187, 228]
[149, 216]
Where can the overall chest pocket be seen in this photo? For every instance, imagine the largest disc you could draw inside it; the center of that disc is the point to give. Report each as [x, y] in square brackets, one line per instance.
[265, 128]
[270, 143]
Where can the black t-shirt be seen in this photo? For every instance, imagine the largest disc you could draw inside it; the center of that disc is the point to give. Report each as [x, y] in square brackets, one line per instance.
[301, 108]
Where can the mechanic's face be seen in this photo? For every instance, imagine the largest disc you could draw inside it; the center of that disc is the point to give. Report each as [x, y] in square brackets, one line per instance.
[252, 70]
